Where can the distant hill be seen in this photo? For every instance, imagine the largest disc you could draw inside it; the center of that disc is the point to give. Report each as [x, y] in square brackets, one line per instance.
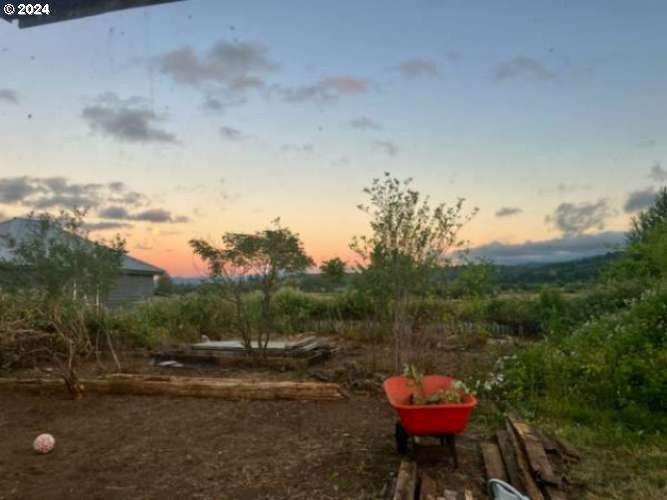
[519, 276]
[557, 273]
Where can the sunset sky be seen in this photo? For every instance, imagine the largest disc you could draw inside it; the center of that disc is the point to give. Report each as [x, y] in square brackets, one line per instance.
[198, 117]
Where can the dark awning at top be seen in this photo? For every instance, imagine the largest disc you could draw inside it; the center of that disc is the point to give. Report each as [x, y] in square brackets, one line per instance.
[65, 10]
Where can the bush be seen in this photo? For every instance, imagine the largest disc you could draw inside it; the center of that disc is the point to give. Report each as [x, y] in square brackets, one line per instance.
[616, 362]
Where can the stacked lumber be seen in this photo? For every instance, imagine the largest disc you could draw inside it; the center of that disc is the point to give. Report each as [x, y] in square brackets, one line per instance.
[521, 457]
[222, 388]
[294, 355]
[410, 484]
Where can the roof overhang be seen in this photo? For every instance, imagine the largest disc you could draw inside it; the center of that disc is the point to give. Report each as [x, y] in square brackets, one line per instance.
[66, 10]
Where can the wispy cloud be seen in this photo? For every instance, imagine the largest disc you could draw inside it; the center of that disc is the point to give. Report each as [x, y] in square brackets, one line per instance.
[387, 147]
[574, 219]
[235, 66]
[9, 95]
[639, 200]
[658, 173]
[106, 226]
[155, 215]
[298, 148]
[563, 188]
[523, 67]
[231, 133]
[418, 68]
[508, 211]
[125, 120]
[112, 201]
[326, 89]
[364, 123]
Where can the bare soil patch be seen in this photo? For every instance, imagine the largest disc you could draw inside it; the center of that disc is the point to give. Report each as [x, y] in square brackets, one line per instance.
[136, 447]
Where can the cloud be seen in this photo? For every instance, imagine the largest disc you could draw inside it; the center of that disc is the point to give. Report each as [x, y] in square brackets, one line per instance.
[387, 147]
[365, 123]
[326, 89]
[563, 188]
[234, 66]
[508, 211]
[639, 200]
[523, 67]
[126, 120]
[658, 174]
[9, 95]
[15, 189]
[418, 68]
[454, 55]
[111, 201]
[574, 219]
[554, 250]
[299, 148]
[155, 215]
[106, 226]
[231, 133]
[212, 104]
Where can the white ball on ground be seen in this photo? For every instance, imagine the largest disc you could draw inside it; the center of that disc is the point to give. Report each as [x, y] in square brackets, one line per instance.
[44, 443]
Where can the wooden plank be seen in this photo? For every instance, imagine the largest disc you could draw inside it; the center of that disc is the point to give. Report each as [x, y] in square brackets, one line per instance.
[427, 489]
[554, 493]
[568, 448]
[507, 452]
[493, 462]
[535, 453]
[222, 388]
[406, 481]
[530, 486]
[549, 444]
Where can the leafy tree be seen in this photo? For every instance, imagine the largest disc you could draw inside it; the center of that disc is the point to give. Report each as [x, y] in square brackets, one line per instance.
[266, 256]
[58, 257]
[58, 260]
[645, 258]
[654, 216]
[476, 279]
[409, 241]
[333, 271]
[165, 285]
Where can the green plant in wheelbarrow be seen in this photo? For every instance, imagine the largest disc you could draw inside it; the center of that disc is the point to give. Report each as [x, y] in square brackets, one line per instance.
[455, 394]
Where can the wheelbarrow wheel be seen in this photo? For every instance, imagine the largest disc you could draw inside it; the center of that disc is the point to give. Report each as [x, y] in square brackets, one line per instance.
[401, 439]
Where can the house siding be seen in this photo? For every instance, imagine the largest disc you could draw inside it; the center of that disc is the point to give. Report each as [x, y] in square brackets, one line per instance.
[131, 288]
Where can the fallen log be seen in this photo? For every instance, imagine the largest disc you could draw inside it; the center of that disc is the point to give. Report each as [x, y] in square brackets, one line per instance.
[406, 481]
[535, 453]
[493, 462]
[145, 385]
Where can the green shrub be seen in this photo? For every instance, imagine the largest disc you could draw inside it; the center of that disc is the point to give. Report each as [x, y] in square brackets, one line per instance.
[615, 362]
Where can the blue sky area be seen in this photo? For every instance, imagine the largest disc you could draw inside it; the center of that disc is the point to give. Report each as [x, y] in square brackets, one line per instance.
[198, 117]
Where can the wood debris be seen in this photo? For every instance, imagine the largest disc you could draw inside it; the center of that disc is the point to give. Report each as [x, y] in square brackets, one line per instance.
[521, 458]
[411, 484]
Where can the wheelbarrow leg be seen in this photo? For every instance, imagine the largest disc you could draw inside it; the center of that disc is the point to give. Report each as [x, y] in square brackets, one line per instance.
[401, 439]
[451, 444]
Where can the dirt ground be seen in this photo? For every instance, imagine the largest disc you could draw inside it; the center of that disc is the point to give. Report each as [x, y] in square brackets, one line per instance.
[114, 447]
[133, 447]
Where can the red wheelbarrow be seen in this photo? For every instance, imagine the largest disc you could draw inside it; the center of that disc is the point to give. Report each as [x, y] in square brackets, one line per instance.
[444, 421]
